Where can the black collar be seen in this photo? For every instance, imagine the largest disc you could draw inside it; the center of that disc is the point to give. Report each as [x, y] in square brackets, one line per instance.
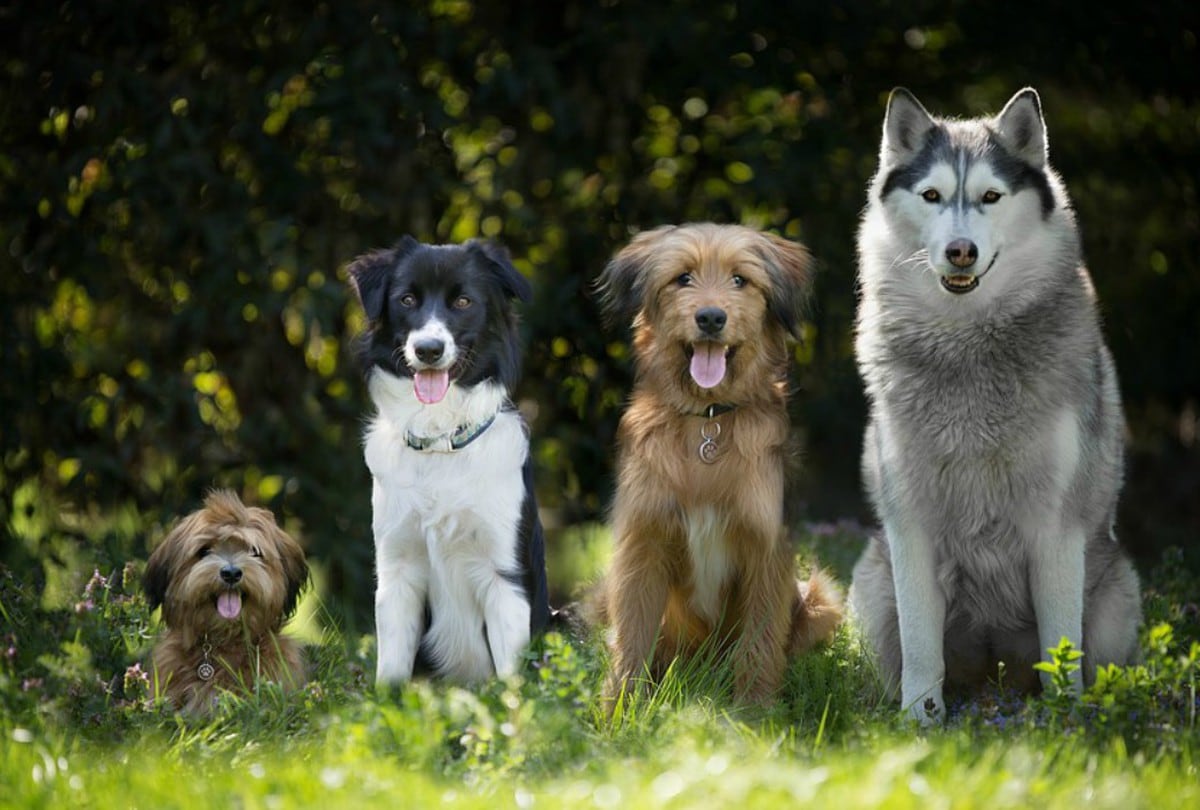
[456, 439]
[715, 410]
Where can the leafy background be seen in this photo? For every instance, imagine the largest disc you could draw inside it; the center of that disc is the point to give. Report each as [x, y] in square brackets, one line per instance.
[182, 185]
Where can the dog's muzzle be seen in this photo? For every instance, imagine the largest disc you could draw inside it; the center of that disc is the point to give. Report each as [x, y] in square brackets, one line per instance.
[963, 253]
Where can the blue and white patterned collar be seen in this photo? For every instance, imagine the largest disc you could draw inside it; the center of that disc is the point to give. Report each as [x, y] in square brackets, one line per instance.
[456, 439]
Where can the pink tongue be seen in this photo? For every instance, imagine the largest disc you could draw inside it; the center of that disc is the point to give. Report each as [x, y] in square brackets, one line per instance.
[229, 604]
[708, 364]
[431, 385]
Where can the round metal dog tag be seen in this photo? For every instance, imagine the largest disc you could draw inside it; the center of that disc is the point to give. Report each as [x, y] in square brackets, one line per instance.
[708, 444]
[205, 671]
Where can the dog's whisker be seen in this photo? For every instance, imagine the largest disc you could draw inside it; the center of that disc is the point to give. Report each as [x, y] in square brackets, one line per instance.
[916, 257]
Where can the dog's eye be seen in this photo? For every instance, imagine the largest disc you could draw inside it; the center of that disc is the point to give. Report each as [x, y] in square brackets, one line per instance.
[739, 281]
[991, 196]
[202, 553]
[931, 195]
[408, 300]
[255, 552]
[684, 280]
[462, 302]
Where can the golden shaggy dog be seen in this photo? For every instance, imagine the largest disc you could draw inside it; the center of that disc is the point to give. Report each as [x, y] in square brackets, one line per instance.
[701, 552]
[227, 578]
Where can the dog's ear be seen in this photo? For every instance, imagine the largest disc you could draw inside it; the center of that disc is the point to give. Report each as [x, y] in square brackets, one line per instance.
[905, 125]
[789, 266]
[370, 272]
[622, 284]
[156, 579]
[295, 567]
[496, 259]
[1022, 129]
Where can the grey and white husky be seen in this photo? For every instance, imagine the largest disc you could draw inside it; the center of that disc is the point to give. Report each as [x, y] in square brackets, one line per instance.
[994, 451]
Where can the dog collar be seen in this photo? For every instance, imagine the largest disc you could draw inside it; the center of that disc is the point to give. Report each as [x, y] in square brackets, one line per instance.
[716, 409]
[456, 439]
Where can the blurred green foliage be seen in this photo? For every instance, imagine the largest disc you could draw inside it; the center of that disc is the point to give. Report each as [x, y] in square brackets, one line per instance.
[181, 185]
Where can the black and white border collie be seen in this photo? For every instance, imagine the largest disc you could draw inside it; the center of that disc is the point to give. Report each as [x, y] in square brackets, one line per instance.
[459, 550]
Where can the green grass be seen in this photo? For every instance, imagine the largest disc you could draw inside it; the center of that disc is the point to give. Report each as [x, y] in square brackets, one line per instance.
[71, 735]
[698, 758]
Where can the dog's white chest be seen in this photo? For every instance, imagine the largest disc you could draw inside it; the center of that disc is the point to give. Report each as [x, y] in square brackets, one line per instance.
[711, 563]
[446, 533]
[453, 500]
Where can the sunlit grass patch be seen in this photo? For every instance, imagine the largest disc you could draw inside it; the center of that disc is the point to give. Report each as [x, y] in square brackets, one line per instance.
[70, 737]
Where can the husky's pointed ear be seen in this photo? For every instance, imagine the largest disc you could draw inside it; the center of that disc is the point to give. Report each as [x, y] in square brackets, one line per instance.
[1022, 129]
[789, 266]
[498, 261]
[905, 125]
[622, 284]
[369, 275]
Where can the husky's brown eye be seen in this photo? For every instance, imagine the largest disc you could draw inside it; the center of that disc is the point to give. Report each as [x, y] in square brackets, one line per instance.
[462, 302]
[930, 195]
[991, 196]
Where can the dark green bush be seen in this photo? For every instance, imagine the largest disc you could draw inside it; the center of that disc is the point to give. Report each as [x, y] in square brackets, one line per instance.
[181, 184]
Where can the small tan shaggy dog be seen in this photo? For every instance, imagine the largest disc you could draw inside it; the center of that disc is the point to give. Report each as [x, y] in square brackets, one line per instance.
[700, 547]
[227, 578]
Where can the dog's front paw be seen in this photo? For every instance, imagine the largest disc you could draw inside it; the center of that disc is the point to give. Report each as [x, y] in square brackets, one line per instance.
[757, 687]
[621, 692]
[922, 699]
[390, 677]
[928, 712]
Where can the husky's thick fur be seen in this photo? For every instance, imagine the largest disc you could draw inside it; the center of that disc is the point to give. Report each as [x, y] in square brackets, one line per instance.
[993, 455]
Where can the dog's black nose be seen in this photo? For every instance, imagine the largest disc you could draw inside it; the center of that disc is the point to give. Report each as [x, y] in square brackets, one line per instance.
[711, 320]
[962, 252]
[429, 351]
[231, 574]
